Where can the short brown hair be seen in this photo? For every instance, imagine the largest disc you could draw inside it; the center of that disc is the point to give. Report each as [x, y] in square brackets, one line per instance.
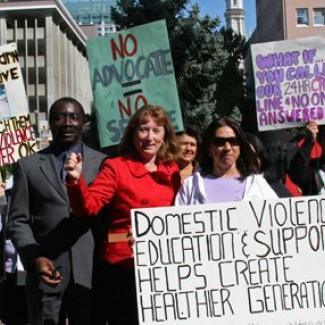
[168, 150]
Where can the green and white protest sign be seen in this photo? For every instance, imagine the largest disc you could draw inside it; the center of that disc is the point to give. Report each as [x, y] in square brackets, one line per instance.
[289, 82]
[17, 137]
[128, 70]
[253, 262]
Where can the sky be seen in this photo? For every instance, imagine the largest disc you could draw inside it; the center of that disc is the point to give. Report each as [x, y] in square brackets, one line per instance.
[217, 8]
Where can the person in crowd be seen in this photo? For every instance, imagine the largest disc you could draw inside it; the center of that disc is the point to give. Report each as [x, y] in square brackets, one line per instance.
[273, 173]
[307, 167]
[44, 133]
[228, 169]
[56, 248]
[13, 305]
[189, 142]
[3, 208]
[145, 175]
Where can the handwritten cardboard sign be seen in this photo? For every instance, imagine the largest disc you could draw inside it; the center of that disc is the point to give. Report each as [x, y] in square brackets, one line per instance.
[289, 82]
[128, 70]
[257, 262]
[17, 137]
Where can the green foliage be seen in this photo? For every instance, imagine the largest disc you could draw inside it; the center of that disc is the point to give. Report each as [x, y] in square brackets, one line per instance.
[90, 135]
[236, 115]
[204, 61]
[6, 171]
[231, 93]
[130, 13]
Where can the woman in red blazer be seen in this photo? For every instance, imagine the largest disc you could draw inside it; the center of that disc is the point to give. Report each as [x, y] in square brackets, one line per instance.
[145, 175]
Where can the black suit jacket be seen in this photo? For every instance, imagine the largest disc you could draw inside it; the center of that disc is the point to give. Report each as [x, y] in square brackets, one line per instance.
[42, 224]
[3, 221]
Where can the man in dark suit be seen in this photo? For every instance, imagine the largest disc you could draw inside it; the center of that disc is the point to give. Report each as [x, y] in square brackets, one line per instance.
[56, 248]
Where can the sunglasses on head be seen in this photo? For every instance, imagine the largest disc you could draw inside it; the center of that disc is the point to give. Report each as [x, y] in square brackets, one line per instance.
[220, 142]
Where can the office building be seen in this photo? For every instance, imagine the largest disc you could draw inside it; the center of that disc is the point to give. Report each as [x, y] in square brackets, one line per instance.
[288, 19]
[93, 16]
[52, 53]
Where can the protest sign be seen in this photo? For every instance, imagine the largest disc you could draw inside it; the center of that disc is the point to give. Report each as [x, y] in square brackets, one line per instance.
[249, 262]
[128, 70]
[17, 137]
[289, 82]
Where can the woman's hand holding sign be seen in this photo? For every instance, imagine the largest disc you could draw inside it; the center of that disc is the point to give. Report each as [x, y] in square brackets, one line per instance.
[312, 128]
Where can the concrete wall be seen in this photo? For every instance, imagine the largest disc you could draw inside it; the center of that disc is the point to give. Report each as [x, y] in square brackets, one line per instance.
[277, 20]
[292, 29]
[51, 50]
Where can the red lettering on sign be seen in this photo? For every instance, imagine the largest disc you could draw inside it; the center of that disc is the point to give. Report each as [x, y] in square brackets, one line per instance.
[127, 46]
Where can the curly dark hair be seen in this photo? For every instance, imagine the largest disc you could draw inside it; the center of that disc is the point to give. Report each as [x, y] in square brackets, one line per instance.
[61, 100]
[246, 163]
[168, 150]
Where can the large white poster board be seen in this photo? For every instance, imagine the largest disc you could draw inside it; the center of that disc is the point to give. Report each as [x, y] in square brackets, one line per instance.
[17, 136]
[289, 82]
[260, 262]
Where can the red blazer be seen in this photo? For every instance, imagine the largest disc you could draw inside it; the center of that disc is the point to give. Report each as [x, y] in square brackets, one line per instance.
[121, 185]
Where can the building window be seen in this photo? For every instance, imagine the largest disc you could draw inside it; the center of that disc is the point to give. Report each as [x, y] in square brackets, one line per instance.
[235, 3]
[319, 16]
[302, 16]
[106, 29]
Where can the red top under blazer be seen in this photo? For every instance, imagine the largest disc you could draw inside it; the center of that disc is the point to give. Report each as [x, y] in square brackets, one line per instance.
[121, 185]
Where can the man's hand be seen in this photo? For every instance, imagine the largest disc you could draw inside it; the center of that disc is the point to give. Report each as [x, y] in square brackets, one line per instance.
[47, 272]
[312, 129]
[73, 165]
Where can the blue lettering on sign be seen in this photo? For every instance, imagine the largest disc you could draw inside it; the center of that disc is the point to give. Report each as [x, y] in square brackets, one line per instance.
[157, 63]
